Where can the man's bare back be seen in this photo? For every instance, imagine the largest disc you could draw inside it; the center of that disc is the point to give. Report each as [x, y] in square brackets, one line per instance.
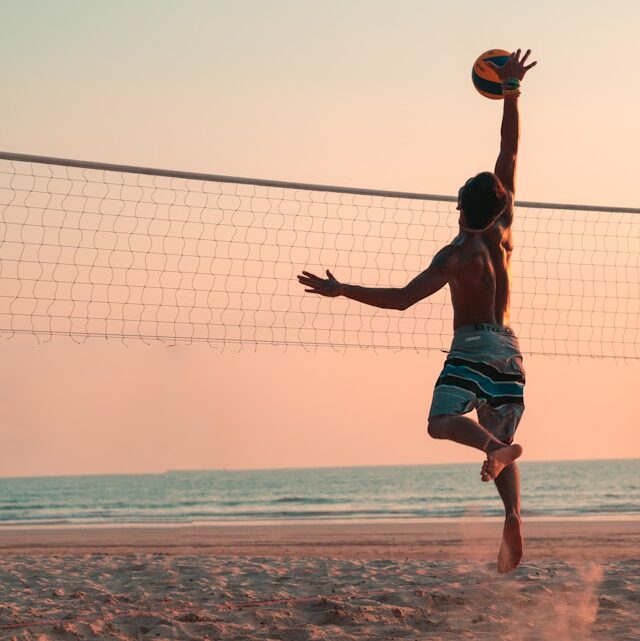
[479, 279]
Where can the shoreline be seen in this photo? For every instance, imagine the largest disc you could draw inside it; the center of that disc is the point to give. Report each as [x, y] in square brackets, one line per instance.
[444, 520]
[477, 540]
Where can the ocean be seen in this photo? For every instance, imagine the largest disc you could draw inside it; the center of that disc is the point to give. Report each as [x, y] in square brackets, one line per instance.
[568, 489]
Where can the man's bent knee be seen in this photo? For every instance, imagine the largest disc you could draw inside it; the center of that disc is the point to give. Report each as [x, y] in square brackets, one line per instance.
[437, 427]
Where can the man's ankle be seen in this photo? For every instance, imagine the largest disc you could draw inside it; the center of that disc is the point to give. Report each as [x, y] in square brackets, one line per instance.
[493, 445]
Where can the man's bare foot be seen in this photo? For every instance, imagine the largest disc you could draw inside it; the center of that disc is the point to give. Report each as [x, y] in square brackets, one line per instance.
[498, 460]
[511, 548]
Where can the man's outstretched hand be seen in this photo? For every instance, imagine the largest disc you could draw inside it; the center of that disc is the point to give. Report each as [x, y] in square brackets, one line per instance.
[324, 286]
[513, 67]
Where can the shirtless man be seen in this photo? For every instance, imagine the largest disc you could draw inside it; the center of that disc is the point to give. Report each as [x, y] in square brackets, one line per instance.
[484, 368]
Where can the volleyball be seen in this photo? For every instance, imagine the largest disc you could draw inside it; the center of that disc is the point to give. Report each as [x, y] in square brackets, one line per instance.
[485, 79]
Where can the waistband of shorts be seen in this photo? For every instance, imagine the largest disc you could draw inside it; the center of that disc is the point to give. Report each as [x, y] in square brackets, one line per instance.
[493, 328]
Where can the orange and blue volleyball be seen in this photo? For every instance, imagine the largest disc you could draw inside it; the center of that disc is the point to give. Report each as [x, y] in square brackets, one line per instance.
[485, 79]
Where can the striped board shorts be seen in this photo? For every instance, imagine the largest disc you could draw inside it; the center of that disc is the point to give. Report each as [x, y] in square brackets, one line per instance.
[484, 372]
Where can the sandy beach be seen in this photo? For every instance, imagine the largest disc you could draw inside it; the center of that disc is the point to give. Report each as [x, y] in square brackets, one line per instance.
[578, 580]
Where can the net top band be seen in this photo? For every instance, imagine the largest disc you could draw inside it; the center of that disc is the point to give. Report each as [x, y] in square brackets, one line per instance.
[188, 175]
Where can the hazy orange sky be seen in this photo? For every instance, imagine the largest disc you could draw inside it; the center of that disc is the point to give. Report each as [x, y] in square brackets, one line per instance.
[370, 94]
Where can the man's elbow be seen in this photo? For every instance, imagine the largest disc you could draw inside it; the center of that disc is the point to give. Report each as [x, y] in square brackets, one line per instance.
[404, 301]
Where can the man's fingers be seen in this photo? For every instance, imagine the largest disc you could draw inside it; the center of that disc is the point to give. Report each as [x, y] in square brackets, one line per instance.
[318, 291]
[526, 55]
[533, 64]
[310, 279]
[312, 285]
[316, 284]
[318, 288]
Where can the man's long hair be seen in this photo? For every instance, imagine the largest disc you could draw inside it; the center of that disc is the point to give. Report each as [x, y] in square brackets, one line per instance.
[482, 199]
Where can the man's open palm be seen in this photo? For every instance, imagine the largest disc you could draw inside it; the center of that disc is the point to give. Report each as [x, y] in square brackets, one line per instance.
[324, 286]
[513, 67]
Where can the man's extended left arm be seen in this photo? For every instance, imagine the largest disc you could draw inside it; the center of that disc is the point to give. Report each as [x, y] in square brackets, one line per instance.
[432, 279]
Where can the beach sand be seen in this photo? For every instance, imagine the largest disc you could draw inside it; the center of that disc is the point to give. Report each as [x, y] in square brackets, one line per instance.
[579, 580]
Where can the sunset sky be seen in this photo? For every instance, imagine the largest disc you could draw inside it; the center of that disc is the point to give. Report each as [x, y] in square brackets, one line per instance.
[362, 93]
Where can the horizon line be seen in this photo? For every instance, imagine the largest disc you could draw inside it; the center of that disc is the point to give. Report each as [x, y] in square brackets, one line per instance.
[318, 467]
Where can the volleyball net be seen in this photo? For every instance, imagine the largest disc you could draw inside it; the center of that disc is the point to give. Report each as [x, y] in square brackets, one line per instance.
[97, 250]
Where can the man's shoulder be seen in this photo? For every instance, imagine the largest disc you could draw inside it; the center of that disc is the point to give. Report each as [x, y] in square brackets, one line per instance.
[457, 255]
[446, 254]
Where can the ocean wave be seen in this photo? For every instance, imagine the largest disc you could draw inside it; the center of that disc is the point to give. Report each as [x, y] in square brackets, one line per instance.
[562, 489]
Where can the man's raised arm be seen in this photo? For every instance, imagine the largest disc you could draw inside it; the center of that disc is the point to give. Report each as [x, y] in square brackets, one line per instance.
[509, 134]
[511, 73]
